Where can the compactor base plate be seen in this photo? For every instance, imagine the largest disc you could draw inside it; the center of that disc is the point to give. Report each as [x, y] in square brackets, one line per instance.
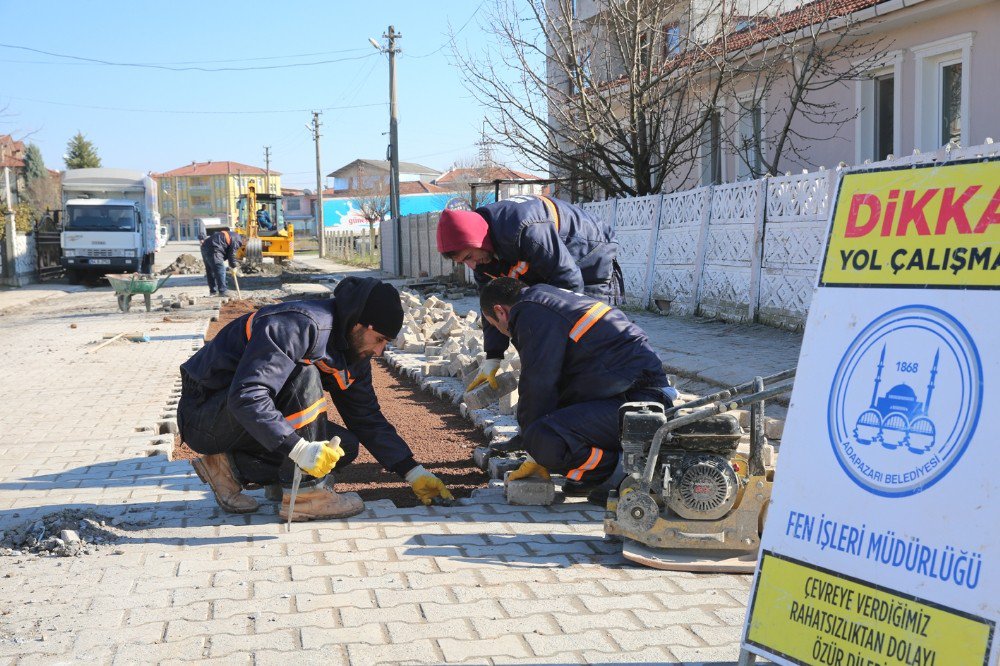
[697, 561]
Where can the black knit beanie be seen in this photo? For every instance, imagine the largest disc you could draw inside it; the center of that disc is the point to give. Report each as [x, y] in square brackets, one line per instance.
[382, 310]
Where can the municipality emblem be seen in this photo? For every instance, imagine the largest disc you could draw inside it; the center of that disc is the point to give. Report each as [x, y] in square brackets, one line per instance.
[905, 400]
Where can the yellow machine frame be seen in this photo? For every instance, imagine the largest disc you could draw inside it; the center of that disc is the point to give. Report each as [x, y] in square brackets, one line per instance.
[281, 245]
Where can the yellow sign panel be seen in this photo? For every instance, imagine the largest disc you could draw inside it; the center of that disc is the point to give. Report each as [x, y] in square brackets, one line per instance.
[933, 226]
[815, 616]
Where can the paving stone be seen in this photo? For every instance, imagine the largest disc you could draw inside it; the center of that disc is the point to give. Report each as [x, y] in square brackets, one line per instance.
[498, 648]
[405, 632]
[440, 612]
[315, 637]
[417, 651]
[668, 636]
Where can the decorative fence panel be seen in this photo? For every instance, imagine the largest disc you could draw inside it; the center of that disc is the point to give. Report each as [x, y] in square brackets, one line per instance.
[636, 223]
[730, 275]
[795, 222]
[680, 248]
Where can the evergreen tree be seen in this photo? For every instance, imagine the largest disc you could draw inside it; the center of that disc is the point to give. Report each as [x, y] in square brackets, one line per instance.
[81, 154]
[42, 193]
[34, 165]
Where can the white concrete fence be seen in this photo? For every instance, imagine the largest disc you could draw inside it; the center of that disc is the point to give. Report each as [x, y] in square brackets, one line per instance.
[742, 252]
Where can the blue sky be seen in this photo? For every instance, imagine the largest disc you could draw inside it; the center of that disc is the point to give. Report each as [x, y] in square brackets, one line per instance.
[136, 115]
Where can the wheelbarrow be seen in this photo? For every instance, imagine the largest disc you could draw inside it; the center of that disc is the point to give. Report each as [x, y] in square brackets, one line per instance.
[127, 285]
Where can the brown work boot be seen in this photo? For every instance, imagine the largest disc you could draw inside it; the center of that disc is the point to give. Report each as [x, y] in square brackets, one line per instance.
[321, 501]
[217, 473]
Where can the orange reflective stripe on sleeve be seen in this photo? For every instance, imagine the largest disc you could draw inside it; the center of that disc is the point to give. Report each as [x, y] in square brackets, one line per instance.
[553, 211]
[592, 462]
[583, 324]
[307, 415]
[249, 324]
[518, 270]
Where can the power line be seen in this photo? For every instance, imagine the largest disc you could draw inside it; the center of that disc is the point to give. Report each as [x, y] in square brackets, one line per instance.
[188, 62]
[451, 40]
[189, 112]
[98, 61]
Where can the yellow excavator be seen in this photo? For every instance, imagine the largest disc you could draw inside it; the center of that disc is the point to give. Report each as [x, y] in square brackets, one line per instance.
[262, 225]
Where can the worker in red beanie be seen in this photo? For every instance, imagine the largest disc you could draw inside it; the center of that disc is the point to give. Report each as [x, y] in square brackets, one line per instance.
[538, 240]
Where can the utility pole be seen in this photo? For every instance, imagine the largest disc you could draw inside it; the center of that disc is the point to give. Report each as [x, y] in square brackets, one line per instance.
[320, 229]
[267, 169]
[10, 229]
[391, 49]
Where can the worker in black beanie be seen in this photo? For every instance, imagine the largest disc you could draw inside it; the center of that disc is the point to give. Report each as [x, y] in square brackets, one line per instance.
[252, 401]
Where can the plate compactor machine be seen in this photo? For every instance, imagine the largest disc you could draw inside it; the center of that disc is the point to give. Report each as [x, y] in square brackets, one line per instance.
[689, 500]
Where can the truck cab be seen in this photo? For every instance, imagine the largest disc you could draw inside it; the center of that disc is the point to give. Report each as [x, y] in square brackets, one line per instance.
[110, 222]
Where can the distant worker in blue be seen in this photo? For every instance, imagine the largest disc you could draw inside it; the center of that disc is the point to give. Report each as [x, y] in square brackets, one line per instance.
[264, 219]
[538, 240]
[581, 360]
[217, 249]
[252, 402]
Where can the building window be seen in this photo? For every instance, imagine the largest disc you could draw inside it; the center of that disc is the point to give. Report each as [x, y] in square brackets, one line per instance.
[885, 94]
[942, 95]
[749, 128]
[877, 123]
[294, 203]
[671, 40]
[644, 59]
[711, 151]
[951, 103]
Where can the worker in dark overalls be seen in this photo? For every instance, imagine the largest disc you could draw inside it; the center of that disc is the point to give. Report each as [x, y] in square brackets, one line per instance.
[581, 360]
[252, 401]
[538, 240]
[217, 249]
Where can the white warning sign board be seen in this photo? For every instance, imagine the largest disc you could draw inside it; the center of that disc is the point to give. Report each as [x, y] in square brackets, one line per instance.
[882, 543]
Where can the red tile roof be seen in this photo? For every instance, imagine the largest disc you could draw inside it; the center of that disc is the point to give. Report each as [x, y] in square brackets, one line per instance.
[816, 12]
[224, 168]
[13, 152]
[483, 175]
[406, 187]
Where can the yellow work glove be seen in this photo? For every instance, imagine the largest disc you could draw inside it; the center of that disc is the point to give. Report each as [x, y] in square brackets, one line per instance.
[487, 373]
[317, 458]
[527, 469]
[426, 486]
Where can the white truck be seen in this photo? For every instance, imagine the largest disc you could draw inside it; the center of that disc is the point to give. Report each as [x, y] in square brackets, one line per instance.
[110, 222]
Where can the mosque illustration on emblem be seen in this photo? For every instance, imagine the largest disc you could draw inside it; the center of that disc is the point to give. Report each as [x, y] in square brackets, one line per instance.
[898, 419]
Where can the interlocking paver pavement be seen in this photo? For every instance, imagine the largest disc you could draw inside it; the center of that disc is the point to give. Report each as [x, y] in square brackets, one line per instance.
[480, 583]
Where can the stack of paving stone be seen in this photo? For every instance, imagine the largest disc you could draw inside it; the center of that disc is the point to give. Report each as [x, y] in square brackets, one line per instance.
[443, 350]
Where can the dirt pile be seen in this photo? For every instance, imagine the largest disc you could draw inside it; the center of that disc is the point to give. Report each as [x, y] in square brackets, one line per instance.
[67, 533]
[185, 264]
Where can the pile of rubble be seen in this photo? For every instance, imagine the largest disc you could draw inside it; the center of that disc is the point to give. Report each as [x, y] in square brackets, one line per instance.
[67, 533]
[185, 264]
[452, 346]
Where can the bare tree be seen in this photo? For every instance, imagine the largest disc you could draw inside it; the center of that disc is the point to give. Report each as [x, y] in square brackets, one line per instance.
[374, 205]
[796, 57]
[626, 98]
[618, 99]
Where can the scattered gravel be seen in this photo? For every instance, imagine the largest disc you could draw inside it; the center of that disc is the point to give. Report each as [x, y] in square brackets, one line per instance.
[66, 533]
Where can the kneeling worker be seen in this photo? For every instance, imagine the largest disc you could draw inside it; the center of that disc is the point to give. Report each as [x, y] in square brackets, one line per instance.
[581, 360]
[538, 240]
[252, 401]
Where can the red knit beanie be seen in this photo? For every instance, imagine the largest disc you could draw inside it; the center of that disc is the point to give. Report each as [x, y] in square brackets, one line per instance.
[461, 229]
